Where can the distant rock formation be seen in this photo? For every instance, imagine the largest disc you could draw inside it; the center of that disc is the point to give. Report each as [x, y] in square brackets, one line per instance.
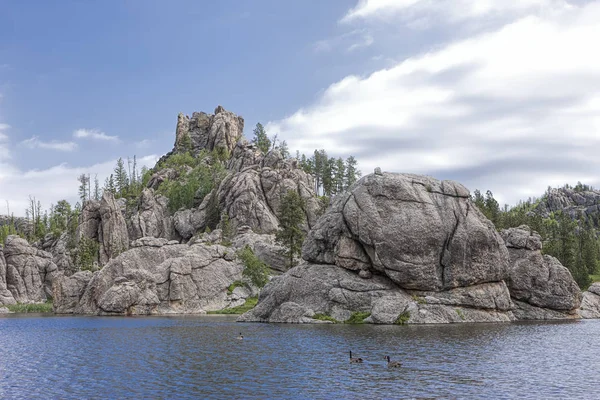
[570, 201]
[208, 132]
[411, 249]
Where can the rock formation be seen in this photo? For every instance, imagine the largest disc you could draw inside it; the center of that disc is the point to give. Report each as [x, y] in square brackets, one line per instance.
[540, 286]
[6, 296]
[570, 201]
[208, 132]
[152, 218]
[251, 193]
[411, 249]
[154, 277]
[30, 272]
[590, 303]
[59, 248]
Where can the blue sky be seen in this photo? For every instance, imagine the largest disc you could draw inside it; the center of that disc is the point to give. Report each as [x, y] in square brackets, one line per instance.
[494, 94]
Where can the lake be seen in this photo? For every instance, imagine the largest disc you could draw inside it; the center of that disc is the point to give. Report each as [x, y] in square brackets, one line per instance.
[199, 357]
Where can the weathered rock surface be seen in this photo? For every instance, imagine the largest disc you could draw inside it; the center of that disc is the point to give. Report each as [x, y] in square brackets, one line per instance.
[208, 132]
[61, 255]
[310, 289]
[401, 247]
[152, 217]
[538, 280]
[422, 233]
[154, 277]
[251, 194]
[590, 303]
[6, 296]
[263, 246]
[30, 272]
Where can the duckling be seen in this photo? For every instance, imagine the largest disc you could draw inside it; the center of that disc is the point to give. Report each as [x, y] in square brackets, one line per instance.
[392, 364]
[355, 360]
[240, 337]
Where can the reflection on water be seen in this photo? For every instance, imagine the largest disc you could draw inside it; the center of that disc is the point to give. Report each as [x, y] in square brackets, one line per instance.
[200, 357]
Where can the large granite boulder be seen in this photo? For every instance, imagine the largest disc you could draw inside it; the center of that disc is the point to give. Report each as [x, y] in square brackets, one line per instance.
[542, 287]
[154, 277]
[30, 272]
[252, 195]
[61, 254]
[220, 130]
[152, 217]
[264, 247]
[6, 296]
[404, 248]
[422, 233]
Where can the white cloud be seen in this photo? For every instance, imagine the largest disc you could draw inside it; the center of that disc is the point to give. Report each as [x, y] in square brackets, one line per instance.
[350, 41]
[94, 134]
[514, 109]
[417, 12]
[35, 142]
[52, 184]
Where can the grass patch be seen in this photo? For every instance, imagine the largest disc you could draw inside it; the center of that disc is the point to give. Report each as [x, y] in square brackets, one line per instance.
[247, 306]
[357, 317]
[402, 318]
[31, 308]
[419, 299]
[460, 313]
[325, 317]
[235, 284]
[595, 278]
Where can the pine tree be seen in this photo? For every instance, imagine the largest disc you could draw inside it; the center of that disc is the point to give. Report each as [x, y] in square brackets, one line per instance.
[96, 188]
[109, 184]
[284, 149]
[261, 139]
[352, 173]
[291, 217]
[340, 175]
[121, 180]
[84, 193]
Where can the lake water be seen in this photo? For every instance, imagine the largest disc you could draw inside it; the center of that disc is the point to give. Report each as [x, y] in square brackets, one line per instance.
[200, 357]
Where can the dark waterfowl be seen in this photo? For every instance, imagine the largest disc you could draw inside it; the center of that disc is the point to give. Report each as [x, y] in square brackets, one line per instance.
[355, 360]
[240, 337]
[392, 364]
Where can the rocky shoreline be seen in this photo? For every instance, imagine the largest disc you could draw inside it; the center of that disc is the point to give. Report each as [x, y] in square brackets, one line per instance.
[393, 248]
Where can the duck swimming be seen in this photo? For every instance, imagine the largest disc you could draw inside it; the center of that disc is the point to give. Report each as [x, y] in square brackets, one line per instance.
[240, 337]
[392, 364]
[355, 360]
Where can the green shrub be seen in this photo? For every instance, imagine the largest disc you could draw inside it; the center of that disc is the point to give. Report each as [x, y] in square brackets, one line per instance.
[247, 306]
[357, 317]
[419, 299]
[86, 254]
[460, 313]
[235, 284]
[402, 318]
[325, 317]
[31, 308]
[254, 269]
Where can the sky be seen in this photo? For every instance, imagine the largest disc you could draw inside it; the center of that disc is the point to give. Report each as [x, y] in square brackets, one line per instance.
[494, 94]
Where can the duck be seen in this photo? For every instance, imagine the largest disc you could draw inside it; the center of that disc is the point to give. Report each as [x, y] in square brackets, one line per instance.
[392, 364]
[355, 360]
[240, 337]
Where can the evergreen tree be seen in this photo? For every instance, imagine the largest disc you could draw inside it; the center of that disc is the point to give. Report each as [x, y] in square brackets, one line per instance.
[291, 217]
[121, 180]
[84, 193]
[352, 173]
[96, 188]
[109, 184]
[284, 149]
[340, 175]
[261, 139]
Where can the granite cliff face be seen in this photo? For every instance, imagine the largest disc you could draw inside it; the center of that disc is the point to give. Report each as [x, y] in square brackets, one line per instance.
[572, 202]
[411, 249]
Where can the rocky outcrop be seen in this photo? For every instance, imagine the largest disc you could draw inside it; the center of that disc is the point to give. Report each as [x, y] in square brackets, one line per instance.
[263, 246]
[590, 303]
[404, 248]
[220, 130]
[154, 277]
[152, 218]
[251, 194]
[30, 272]
[104, 222]
[59, 248]
[6, 296]
[542, 287]
[571, 201]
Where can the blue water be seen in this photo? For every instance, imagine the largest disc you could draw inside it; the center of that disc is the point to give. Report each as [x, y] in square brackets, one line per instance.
[200, 357]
